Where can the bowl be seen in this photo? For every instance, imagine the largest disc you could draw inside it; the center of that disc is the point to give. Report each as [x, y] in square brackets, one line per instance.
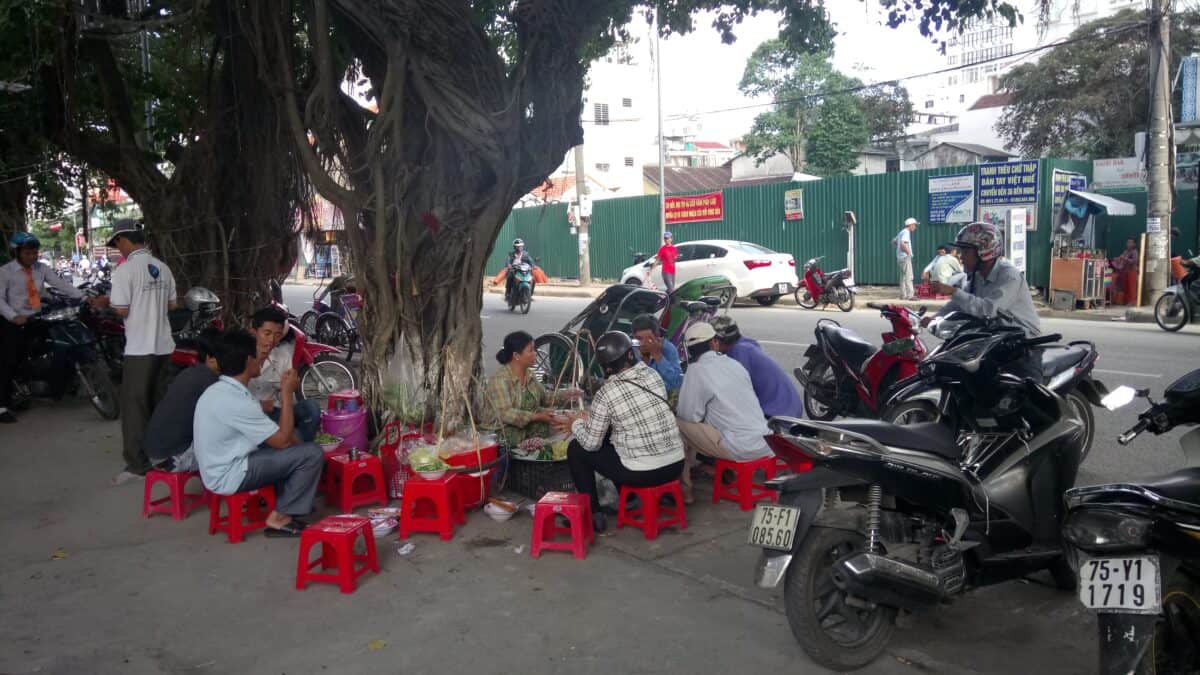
[498, 514]
[432, 475]
[330, 447]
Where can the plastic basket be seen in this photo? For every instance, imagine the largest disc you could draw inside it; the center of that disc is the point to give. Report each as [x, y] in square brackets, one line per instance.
[535, 479]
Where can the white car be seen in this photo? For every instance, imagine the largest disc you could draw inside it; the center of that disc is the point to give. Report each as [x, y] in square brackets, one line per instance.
[756, 271]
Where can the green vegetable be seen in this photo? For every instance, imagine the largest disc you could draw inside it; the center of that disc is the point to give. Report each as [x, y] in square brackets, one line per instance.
[325, 439]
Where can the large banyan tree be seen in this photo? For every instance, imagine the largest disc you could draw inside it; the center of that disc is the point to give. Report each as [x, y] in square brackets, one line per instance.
[475, 102]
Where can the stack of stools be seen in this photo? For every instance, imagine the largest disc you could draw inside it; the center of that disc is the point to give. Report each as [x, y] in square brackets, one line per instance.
[344, 472]
[179, 503]
[577, 509]
[431, 506]
[337, 535]
[647, 518]
[248, 511]
[742, 489]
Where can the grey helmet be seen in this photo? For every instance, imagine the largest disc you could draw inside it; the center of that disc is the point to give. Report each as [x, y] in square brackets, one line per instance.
[200, 298]
[518, 243]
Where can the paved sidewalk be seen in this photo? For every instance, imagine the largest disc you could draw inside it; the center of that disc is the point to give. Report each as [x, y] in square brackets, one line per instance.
[89, 586]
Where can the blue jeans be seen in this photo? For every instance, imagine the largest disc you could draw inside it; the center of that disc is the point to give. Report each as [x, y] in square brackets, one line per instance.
[307, 417]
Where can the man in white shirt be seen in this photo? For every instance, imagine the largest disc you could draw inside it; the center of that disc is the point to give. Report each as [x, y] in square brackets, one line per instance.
[718, 411]
[904, 255]
[269, 326]
[21, 283]
[239, 448]
[143, 289]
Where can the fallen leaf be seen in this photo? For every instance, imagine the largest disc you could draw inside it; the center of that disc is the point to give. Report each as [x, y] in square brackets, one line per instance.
[58, 554]
[376, 645]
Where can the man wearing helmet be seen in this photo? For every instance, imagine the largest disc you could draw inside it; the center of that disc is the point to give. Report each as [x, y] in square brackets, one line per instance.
[21, 282]
[629, 436]
[517, 255]
[774, 389]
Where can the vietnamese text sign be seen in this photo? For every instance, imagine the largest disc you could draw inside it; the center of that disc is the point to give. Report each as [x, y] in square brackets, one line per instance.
[695, 208]
[1119, 174]
[1018, 221]
[793, 205]
[952, 199]
[1063, 181]
[1008, 183]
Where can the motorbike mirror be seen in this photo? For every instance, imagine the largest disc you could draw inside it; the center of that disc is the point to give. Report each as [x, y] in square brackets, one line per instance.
[922, 310]
[1119, 397]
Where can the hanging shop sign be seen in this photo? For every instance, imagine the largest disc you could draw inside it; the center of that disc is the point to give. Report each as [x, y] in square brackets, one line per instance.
[695, 208]
[1062, 182]
[793, 205]
[952, 199]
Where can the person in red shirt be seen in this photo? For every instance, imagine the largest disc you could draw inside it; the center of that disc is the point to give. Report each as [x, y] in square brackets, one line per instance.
[666, 256]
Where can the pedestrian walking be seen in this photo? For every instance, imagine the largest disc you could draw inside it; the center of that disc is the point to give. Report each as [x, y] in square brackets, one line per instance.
[143, 289]
[666, 256]
[904, 255]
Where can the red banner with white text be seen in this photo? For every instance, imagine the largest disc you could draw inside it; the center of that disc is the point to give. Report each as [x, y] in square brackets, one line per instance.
[695, 208]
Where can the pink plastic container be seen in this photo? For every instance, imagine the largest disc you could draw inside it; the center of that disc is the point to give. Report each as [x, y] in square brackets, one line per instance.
[350, 425]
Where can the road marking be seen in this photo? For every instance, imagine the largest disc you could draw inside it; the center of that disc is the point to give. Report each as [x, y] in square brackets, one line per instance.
[784, 344]
[1122, 372]
[485, 316]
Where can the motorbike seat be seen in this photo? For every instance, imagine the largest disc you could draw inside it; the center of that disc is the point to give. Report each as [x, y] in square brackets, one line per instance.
[932, 437]
[848, 344]
[710, 301]
[1182, 485]
[695, 306]
[1056, 360]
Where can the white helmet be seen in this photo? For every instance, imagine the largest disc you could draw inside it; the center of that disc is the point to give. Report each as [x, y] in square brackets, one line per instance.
[199, 297]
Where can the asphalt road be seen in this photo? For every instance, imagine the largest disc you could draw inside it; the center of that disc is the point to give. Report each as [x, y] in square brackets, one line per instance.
[1140, 355]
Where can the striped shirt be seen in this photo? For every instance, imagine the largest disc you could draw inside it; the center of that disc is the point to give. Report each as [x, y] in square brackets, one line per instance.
[633, 405]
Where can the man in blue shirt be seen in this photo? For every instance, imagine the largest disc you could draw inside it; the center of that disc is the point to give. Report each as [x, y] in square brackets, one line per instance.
[659, 354]
[239, 448]
[776, 393]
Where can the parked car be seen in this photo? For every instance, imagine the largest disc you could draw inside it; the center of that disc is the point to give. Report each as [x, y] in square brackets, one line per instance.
[756, 271]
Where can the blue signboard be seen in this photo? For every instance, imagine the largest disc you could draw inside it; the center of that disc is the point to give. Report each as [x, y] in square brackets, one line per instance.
[951, 199]
[1008, 183]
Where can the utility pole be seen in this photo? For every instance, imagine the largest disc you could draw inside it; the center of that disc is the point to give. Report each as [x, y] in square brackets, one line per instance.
[581, 195]
[1160, 148]
[662, 148]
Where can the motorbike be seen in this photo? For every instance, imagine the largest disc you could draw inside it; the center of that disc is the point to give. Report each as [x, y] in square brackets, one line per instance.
[1137, 547]
[848, 376]
[897, 518]
[334, 322]
[519, 292]
[639, 257]
[106, 326]
[63, 347]
[1179, 305]
[824, 289]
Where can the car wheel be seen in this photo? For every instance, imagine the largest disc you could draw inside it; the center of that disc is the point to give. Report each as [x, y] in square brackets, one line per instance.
[767, 300]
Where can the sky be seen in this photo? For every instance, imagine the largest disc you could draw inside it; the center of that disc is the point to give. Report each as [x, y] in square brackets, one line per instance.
[701, 74]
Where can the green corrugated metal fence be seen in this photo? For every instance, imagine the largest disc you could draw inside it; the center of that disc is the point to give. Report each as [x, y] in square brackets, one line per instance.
[881, 202]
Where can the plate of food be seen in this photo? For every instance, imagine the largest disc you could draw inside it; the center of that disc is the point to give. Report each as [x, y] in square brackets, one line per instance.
[538, 449]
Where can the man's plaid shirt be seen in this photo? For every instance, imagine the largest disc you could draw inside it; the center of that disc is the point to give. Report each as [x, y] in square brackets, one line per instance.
[644, 432]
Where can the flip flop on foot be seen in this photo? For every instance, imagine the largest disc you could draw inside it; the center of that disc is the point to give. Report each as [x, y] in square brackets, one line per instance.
[290, 530]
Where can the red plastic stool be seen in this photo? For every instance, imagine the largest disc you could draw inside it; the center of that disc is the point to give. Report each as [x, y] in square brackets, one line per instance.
[431, 506]
[344, 473]
[242, 505]
[179, 503]
[336, 535]
[647, 517]
[576, 508]
[743, 489]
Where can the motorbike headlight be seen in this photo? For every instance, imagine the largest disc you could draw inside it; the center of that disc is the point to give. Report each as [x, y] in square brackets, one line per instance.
[61, 314]
[1106, 530]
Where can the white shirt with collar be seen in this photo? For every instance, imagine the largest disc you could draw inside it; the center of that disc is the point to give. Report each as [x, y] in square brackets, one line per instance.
[14, 287]
[145, 286]
[265, 387]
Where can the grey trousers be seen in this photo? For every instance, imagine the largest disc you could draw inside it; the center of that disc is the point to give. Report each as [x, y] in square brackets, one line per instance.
[669, 282]
[143, 382]
[294, 472]
[907, 292]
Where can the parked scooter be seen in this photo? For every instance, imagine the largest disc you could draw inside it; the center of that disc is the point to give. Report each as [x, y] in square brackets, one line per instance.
[64, 350]
[819, 288]
[1179, 305]
[106, 327]
[1138, 547]
[847, 376]
[895, 518]
[519, 289]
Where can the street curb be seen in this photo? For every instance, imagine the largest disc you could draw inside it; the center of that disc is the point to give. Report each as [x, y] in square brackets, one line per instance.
[1139, 315]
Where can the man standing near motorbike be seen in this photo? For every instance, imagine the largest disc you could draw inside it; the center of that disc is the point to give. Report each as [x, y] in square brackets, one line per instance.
[996, 289]
[21, 282]
[516, 256]
[143, 289]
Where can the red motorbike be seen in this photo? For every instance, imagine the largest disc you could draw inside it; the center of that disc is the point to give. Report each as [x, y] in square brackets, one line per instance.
[836, 288]
[847, 376]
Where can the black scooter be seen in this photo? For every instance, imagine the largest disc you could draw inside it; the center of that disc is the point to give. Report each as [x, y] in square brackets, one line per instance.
[894, 518]
[63, 350]
[1138, 548]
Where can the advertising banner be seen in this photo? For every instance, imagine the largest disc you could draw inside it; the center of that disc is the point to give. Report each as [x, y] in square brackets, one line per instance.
[1062, 181]
[952, 199]
[793, 205]
[1119, 174]
[695, 208]
[1008, 183]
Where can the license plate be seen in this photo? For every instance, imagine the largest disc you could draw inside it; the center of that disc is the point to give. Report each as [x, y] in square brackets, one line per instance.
[774, 526]
[783, 288]
[1127, 585]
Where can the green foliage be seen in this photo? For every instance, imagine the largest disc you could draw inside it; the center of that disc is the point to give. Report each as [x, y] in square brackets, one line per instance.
[1089, 98]
[838, 133]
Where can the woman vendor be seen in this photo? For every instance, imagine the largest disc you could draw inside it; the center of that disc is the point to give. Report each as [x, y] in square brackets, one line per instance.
[515, 396]
[1126, 266]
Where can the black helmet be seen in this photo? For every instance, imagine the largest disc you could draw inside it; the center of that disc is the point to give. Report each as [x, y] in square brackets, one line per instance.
[612, 347]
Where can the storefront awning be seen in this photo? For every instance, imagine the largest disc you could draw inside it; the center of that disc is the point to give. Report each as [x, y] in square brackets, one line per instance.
[1102, 204]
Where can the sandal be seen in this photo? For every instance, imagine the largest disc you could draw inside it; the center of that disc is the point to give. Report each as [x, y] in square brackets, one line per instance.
[289, 531]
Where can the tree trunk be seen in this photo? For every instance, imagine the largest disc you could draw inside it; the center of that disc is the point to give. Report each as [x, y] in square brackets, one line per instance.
[14, 196]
